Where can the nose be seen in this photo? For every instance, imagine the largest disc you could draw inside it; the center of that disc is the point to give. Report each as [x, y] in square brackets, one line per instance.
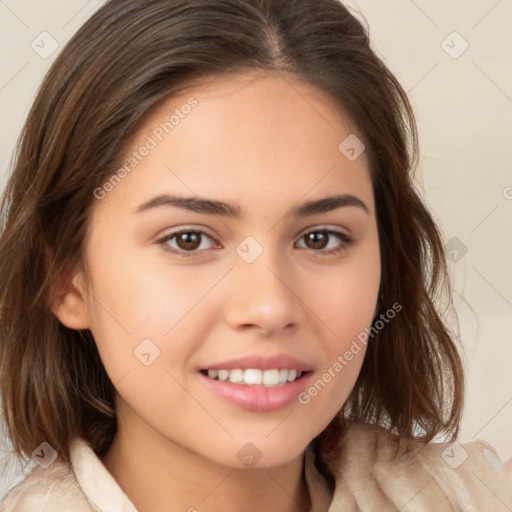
[264, 295]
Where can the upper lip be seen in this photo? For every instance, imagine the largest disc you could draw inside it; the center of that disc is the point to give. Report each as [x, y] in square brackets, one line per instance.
[279, 361]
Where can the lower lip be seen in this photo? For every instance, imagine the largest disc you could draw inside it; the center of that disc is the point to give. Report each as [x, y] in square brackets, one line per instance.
[259, 398]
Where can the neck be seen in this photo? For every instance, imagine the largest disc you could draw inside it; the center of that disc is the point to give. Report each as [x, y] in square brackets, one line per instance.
[159, 475]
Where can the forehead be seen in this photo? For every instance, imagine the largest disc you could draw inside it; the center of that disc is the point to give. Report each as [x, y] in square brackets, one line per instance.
[266, 95]
[262, 132]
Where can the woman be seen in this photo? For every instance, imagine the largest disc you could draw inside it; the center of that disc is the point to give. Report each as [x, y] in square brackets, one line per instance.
[224, 291]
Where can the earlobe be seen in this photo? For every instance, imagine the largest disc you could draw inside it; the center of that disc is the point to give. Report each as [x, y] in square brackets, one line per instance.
[70, 306]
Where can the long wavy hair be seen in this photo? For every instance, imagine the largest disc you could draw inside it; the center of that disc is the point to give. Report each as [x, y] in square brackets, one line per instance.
[126, 59]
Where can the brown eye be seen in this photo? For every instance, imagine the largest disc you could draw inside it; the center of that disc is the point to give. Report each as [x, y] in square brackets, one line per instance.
[186, 242]
[320, 239]
[317, 240]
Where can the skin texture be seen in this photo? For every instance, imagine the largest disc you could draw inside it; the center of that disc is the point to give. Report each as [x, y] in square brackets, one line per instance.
[267, 143]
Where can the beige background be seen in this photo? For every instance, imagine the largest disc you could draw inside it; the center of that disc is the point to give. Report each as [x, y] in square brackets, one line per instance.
[463, 103]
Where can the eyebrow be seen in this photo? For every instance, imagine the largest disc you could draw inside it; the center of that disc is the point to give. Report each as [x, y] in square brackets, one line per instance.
[231, 210]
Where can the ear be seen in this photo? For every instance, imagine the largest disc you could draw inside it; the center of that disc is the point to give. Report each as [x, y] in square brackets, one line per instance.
[70, 305]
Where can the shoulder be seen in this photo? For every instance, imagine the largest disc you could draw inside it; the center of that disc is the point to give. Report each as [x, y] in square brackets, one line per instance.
[54, 488]
[373, 464]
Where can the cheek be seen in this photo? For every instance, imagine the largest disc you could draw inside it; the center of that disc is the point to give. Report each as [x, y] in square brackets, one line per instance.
[346, 309]
[345, 299]
[132, 302]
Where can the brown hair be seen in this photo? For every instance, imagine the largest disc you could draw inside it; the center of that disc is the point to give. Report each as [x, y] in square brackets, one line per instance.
[126, 59]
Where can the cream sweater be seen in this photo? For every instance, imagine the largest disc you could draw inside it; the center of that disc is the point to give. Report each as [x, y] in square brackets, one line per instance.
[374, 472]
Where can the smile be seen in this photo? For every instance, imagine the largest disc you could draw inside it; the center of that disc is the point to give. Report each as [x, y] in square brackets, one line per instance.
[257, 390]
[256, 377]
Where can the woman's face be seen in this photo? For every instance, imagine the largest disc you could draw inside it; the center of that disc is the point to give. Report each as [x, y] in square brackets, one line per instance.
[268, 285]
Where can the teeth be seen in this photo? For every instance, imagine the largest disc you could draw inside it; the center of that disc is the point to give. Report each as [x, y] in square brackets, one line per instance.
[256, 377]
[236, 376]
[271, 377]
[292, 375]
[223, 375]
[252, 377]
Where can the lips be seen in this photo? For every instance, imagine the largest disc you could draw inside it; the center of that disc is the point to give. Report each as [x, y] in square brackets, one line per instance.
[279, 361]
[261, 384]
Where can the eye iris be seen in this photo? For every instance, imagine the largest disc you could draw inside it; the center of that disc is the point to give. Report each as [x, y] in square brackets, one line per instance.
[316, 238]
[191, 240]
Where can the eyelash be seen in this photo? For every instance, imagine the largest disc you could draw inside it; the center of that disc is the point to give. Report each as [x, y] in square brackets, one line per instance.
[345, 239]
